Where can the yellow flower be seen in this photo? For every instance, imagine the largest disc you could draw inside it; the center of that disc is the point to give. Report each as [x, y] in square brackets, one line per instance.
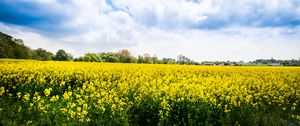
[54, 98]
[73, 105]
[70, 93]
[47, 91]
[78, 109]
[88, 119]
[113, 106]
[26, 97]
[64, 110]
[122, 86]
[85, 105]
[84, 112]
[19, 94]
[62, 84]
[66, 96]
[2, 91]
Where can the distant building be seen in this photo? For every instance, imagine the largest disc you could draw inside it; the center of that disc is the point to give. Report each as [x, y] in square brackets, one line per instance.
[208, 64]
[275, 64]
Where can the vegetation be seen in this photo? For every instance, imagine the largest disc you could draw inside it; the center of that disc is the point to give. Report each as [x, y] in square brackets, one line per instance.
[62, 55]
[42, 54]
[271, 61]
[15, 48]
[80, 93]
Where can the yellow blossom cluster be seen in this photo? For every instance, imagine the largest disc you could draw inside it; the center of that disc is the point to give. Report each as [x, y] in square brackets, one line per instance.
[82, 90]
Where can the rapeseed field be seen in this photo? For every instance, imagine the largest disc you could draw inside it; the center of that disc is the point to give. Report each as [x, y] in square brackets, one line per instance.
[80, 93]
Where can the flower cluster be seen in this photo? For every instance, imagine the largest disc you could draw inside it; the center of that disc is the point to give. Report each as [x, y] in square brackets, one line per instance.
[126, 93]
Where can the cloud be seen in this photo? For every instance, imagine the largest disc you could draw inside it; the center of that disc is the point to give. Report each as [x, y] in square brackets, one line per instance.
[34, 14]
[213, 14]
[200, 29]
[236, 43]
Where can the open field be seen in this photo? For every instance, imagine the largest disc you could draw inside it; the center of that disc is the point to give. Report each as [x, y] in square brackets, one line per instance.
[73, 93]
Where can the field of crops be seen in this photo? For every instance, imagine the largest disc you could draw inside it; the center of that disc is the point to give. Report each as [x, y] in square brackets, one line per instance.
[73, 93]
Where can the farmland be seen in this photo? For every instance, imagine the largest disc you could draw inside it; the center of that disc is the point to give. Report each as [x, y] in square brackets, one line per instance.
[80, 93]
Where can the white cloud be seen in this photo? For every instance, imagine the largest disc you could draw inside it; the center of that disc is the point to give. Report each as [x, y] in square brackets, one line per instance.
[224, 44]
[205, 30]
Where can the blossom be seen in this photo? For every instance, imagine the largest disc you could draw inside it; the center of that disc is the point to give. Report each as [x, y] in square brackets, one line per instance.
[47, 91]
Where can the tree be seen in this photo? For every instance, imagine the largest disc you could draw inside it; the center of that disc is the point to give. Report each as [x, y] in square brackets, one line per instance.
[168, 61]
[124, 56]
[41, 54]
[92, 57]
[154, 59]
[183, 60]
[79, 59]
[140, 59]
[147, 58]
[13, 48]
[61, 55]
[22, 52]
[109, 57]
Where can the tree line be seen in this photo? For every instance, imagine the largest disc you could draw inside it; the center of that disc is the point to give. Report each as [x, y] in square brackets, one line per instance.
[125, 56]
[273, 61]
[14, 48]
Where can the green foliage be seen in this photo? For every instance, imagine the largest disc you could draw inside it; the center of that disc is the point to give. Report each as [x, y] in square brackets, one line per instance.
[109, 57]
[13, 48]
[92, 57]
[146, 58]
[62, 55]
[143, 113]
[183, 60]
[168, 61]
[42, 54]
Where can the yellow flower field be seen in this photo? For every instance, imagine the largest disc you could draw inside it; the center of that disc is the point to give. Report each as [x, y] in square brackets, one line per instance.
[77, 93]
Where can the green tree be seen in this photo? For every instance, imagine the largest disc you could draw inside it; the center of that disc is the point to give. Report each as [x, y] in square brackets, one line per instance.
[62, 55]
[92, 57]
[109, 57]
[41, 54]
[168, 61]
[79, 59]
[140, 59]
[13, 48]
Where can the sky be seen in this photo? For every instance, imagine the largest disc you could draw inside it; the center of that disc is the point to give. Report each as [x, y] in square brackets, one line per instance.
[203, 30]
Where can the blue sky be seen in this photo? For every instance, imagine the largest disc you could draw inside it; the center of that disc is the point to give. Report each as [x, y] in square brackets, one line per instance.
[200, 29]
